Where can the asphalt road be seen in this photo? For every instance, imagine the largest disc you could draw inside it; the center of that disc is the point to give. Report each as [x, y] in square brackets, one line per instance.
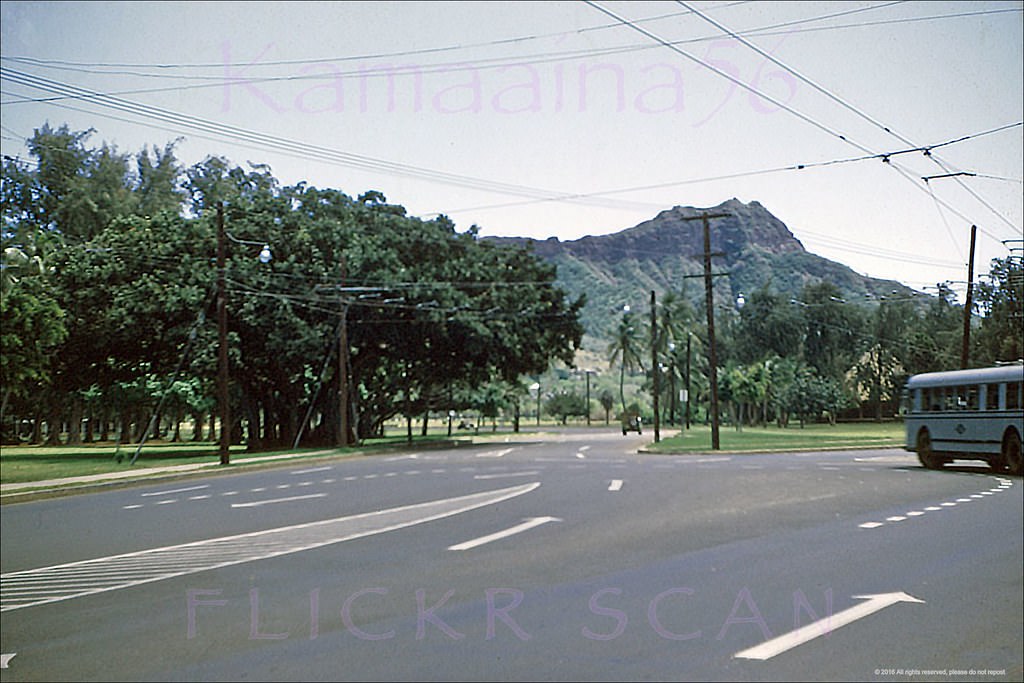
[573, 559]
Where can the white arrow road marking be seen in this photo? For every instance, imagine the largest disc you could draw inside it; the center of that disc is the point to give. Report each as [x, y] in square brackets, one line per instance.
[5, 660]
[519, 528]
[822, 627]
[257, 503]
[616, 485]
[78, 579]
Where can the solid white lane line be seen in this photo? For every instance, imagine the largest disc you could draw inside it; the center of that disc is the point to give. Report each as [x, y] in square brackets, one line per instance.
[503, 475]
[257, 503]
[167, 493]
[497, 536]
[312, 469]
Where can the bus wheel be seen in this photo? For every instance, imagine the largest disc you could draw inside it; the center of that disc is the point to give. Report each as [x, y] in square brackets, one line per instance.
[1011, 453]
[924, 451]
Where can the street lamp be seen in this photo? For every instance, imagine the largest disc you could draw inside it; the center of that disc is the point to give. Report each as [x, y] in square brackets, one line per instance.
[588, 395]
[672, 382]
[686, 391]
[223, 375]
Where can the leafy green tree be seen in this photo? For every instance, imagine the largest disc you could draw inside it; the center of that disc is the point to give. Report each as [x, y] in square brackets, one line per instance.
[1000, 298]
[160, 181]
[430, 315]
[566, 403]
[769, 326]
[880, 372]
[808, 395]
[833, 339]
[933, 341]
[745, 387]
[33, 328]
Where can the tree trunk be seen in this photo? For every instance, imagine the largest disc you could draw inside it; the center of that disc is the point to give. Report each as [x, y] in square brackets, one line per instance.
[197, 426]
[75, 423]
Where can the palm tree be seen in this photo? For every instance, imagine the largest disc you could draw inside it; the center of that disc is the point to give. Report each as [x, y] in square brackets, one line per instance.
[675, 317]
[625, 349]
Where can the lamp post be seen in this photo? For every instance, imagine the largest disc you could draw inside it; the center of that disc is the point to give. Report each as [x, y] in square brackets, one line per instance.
[689, 338]
[223, 374]
[588, 395]
[672, 383]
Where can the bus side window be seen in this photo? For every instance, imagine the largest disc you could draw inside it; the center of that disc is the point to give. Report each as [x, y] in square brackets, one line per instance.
[971, 397]
[1013, 399]
[992, 397]
[929, 401]
[958, 398]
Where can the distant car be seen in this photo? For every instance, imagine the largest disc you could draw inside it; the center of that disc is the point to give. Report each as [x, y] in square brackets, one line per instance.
[631, 423]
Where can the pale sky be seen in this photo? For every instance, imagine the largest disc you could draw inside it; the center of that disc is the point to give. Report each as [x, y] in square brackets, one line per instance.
[544, 119]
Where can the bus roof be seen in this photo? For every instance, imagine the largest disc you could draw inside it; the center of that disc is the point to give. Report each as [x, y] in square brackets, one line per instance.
[1002, 373]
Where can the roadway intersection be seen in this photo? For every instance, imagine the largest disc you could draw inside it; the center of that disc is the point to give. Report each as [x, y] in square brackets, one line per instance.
[569, 558]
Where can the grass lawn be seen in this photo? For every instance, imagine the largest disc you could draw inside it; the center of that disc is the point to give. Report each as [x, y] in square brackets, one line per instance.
[20, 464]
[755, 439]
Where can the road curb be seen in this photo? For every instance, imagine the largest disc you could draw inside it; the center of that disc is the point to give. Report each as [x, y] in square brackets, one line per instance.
[22, 492]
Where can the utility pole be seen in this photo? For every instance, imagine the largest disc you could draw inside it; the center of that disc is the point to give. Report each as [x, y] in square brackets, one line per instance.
[654, 366]
[966, 342]
[710, 303]
[343, 375]
[222, 337]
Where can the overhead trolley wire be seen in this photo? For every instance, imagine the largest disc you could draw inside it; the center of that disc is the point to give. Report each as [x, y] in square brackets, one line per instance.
[216, 81]
[775, 101]
[846, 105]
[267, 141]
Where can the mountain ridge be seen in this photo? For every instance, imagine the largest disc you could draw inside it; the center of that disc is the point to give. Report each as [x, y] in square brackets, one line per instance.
[752, 249]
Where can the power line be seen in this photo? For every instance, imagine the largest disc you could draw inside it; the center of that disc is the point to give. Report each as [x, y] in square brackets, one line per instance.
[741, 174]
[843, 103]
[417, 70]
[163, 66]
[803, 117]
[267, 141]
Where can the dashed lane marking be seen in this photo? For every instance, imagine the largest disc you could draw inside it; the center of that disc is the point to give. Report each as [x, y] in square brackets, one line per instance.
[1004, 484]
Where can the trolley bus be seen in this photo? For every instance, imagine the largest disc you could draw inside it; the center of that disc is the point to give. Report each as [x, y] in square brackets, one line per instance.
[967, 414]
